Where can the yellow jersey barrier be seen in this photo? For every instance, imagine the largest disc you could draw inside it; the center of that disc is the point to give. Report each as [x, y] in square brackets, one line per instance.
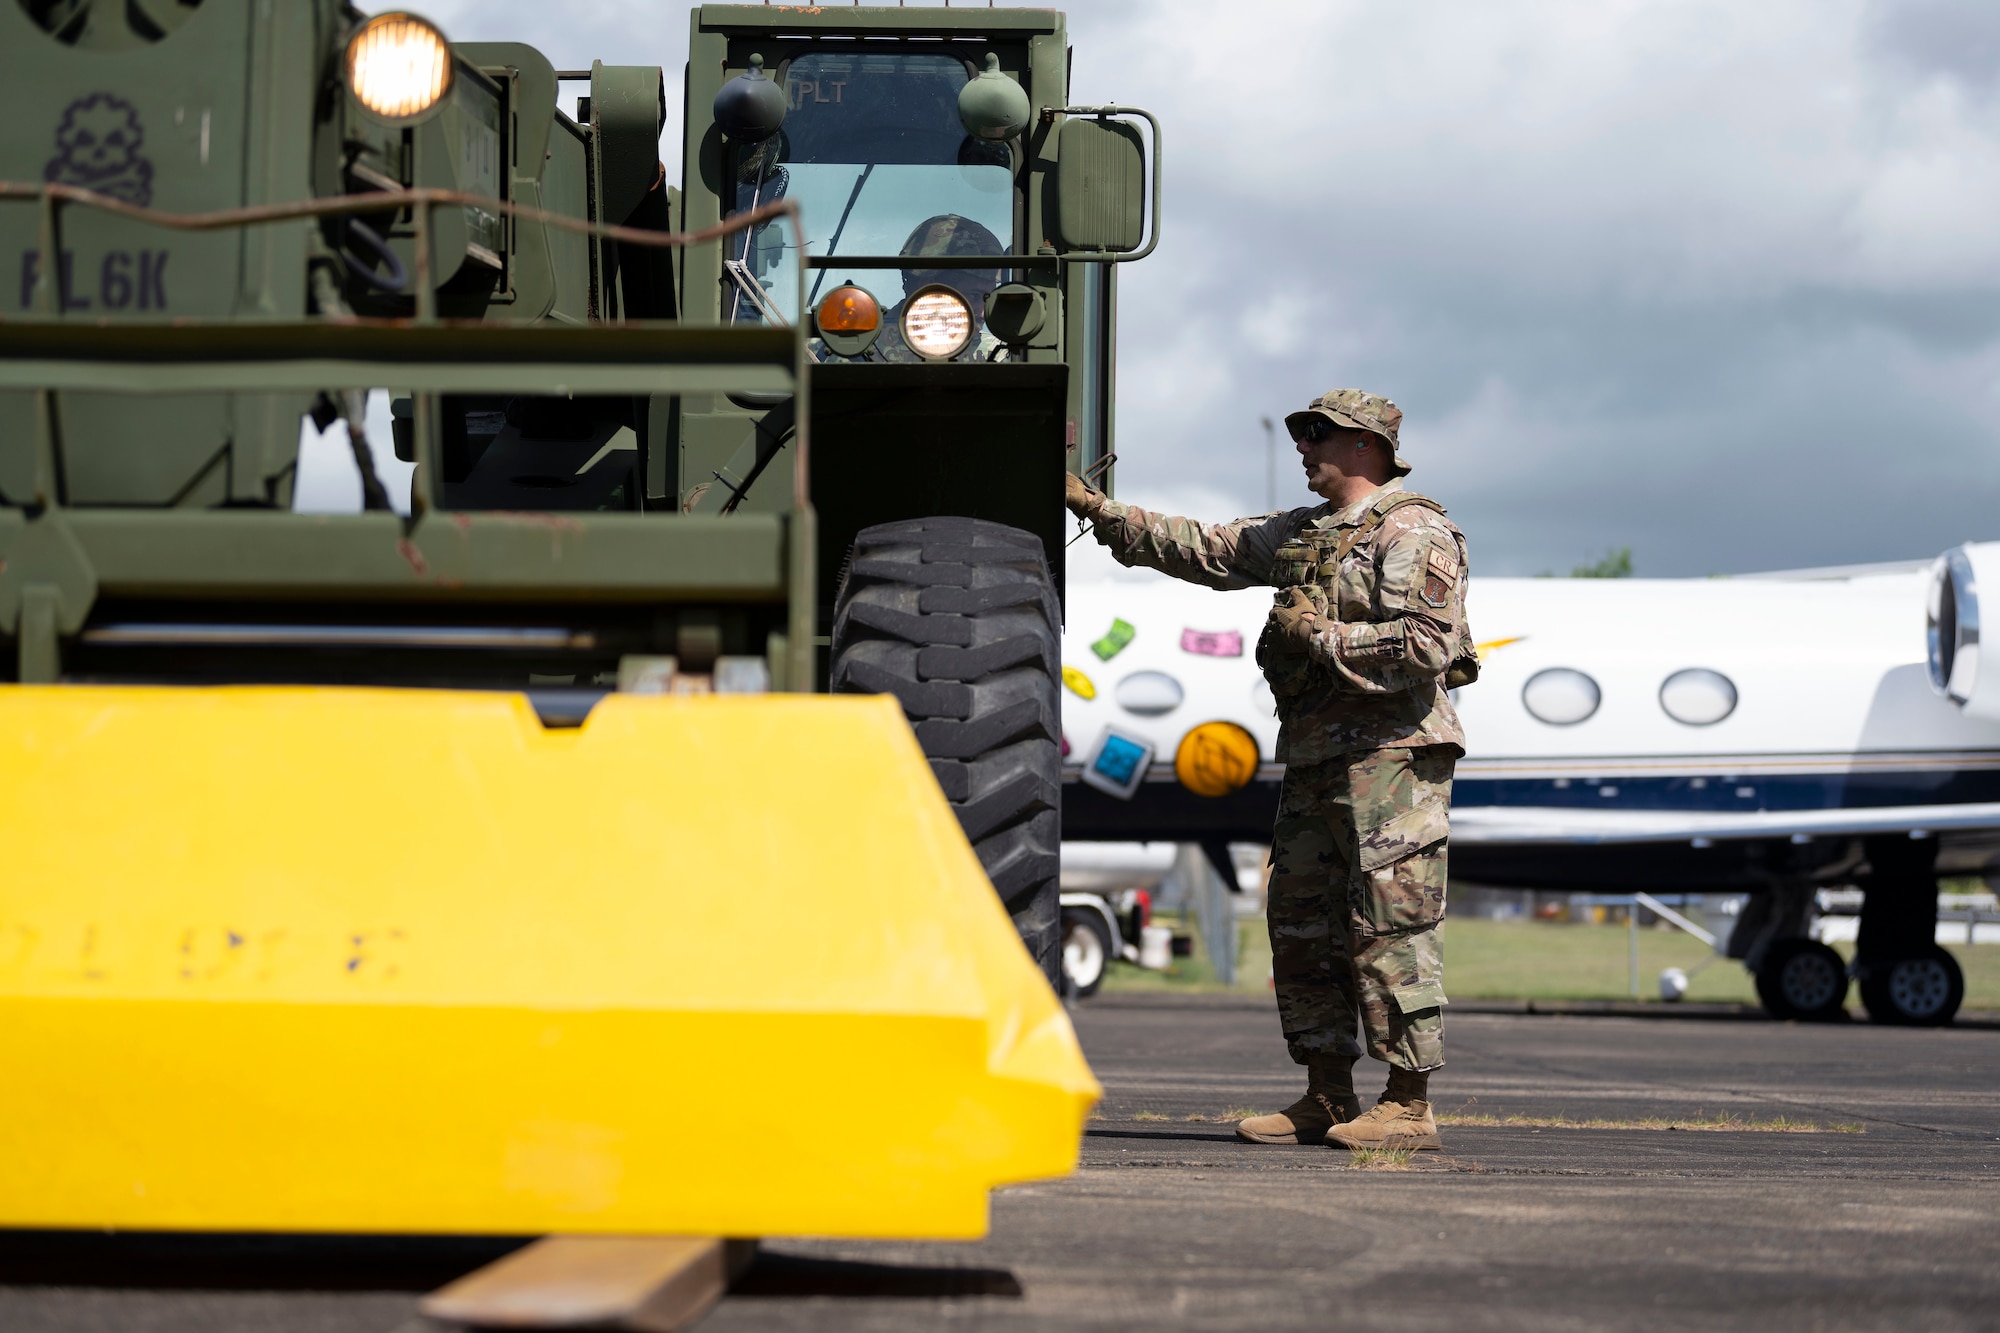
[362, 960]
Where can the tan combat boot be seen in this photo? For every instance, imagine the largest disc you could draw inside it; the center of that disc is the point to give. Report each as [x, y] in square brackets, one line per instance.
[1329, 1100]
[1388, 1124]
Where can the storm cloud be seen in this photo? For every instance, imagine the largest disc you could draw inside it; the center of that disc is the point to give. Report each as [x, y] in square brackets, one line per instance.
[1713, 281]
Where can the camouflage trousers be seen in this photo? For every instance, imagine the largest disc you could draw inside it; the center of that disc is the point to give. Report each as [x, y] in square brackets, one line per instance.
[1357, 891]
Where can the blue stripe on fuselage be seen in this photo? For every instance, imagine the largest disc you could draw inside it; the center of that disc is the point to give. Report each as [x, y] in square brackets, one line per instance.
[1763, 791]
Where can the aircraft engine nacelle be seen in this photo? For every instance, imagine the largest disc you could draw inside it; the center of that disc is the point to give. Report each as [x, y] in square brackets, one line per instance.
[1954, 653]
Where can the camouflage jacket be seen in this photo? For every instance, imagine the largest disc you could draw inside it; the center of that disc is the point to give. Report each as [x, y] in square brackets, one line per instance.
[1374, 677]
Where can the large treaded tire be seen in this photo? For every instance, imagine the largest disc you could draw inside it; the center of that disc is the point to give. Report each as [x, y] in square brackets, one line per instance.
[958, 618]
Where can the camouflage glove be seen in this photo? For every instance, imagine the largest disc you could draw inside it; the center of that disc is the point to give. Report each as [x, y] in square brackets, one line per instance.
[1082, 500]
[1297, 620]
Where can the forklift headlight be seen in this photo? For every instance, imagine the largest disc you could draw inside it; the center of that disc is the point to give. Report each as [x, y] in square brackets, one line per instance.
[398, 66]
[937, 323]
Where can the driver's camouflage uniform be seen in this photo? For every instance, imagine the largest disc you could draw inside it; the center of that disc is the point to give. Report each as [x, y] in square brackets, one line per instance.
[1369, 739]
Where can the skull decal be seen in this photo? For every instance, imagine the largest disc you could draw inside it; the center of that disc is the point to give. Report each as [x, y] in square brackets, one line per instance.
[97, 147]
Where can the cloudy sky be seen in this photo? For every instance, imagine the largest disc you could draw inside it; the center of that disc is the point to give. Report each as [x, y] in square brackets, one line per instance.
[1717, 281]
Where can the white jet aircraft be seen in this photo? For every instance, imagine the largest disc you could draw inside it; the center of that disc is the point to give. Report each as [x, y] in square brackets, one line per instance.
[1772, 734]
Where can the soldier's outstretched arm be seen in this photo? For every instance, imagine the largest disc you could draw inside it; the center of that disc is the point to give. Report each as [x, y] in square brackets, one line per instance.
[1421, 595]
[1219, 555]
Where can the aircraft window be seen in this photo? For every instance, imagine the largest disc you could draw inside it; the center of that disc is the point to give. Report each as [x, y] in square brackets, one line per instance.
[1699, 697]
[1560, 696]
[1149, 693]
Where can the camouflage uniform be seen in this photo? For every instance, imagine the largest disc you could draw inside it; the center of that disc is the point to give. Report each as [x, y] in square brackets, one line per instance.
[1368, 736]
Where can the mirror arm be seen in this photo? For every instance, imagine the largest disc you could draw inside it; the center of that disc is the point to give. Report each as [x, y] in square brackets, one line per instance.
[1049, 113]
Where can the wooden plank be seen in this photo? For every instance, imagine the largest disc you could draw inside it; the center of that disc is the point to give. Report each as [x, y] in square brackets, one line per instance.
[653, 1283]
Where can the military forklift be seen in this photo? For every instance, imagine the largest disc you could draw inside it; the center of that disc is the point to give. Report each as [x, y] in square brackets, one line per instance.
[316, 821]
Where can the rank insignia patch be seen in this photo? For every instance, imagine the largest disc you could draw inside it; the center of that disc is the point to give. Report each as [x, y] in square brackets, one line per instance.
[1440, 572]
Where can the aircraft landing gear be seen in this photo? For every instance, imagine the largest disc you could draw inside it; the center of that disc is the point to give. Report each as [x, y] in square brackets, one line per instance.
[1804, 980]
[1797, 977]
[1924, 991]
[1906, 978]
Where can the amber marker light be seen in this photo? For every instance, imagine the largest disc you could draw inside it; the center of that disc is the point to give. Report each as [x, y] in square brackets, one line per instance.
[937, 323]
[849, 309]
[398, 66]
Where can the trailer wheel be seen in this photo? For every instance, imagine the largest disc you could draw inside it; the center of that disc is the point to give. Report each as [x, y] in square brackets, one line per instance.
[1086, 950]
[958, 618]
[1922, 992]
[1803, 980]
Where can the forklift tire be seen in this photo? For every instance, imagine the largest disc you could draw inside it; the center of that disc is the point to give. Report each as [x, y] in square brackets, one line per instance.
[958, 618]
[1920, 992]
[1803, 980]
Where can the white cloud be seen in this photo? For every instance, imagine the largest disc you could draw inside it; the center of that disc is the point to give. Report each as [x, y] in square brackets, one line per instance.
[1620, 263]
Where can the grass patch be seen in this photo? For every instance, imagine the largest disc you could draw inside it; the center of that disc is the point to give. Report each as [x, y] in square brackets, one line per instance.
[1719, 1123]
[1149, 1115]
[1380, 1159]
[1536, 960]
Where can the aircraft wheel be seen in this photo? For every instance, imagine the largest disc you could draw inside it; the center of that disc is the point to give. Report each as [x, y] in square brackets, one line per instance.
[1086, 950]
[1803, 980]
[957, 617]
[1924, 991]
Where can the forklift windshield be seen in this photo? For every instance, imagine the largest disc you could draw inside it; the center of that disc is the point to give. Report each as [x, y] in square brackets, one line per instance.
[873, 152]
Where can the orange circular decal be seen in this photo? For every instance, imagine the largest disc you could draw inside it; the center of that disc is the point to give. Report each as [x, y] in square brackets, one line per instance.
[1216, 758]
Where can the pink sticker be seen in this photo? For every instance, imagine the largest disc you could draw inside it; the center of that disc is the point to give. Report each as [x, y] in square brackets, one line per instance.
[1227, 643]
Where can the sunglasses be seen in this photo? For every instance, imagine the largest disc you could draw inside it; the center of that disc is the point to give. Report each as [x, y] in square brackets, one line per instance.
[1319, 428]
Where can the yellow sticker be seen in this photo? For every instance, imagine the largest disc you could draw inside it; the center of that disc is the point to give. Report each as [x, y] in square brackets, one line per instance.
[1216, 758]
[1078, 683]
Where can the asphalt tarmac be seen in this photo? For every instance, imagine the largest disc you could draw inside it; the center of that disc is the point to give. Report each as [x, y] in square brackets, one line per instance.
[1170, 1223]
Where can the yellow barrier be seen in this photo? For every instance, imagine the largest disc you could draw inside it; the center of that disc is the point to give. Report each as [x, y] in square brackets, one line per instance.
[383, 960]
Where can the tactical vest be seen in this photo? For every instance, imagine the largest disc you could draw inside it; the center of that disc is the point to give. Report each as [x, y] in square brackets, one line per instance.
[1311, 561]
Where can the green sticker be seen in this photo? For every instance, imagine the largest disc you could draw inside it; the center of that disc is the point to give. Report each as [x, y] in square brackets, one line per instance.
[1114, 641]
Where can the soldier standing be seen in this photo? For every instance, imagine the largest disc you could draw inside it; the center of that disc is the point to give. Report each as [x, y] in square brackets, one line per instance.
[1366, 635]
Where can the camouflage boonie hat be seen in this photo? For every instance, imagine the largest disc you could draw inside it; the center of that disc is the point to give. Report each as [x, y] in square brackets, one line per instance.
[950, 234]
[1361, 411]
